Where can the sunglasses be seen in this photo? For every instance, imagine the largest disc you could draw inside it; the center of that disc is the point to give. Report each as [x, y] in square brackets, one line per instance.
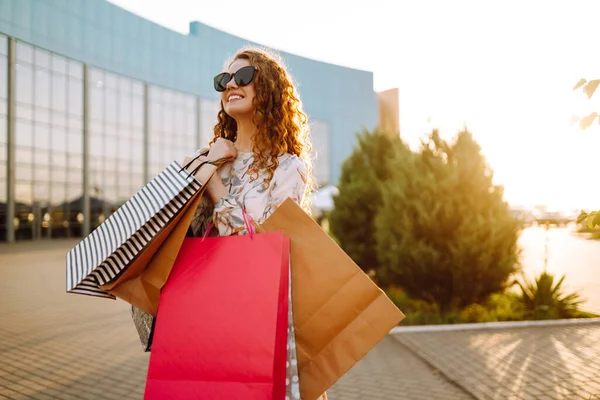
[242, 76]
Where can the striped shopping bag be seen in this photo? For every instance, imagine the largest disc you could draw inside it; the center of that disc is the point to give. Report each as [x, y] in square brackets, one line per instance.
[111, 248]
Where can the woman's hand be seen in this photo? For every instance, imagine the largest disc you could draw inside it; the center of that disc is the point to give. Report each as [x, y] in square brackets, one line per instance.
[222, 149]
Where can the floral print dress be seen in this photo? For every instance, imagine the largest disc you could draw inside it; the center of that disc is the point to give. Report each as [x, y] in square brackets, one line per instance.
[249, 191]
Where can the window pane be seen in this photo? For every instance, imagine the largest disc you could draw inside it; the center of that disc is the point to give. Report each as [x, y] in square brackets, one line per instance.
[42, 58]
[96, 145]
[124, 149]
[110, 80]
[3, 44]
[125, 109]
[96, 127]
[74, 143]
[155, 120]
[42, 186]
[97, 181]
[59, 159]
[75, 97]
[41, 136]
[24, 111]
[138, 88]
[137, 153]
[59, 92]
[2, 134]
[24, 155]
[138, 112]
[42, 88]
[23, 133]
[23, 172]
[110, 143]
[24, 52]
[3, 159]
[97, 103]
[59, 175]
[75, 161]
[59, 119]
[59, 139]
[25, 84]
[59, 64]
[3, 75]
[57, 196]
[76, 123]
[75, 69]
[24, 193]
[111, 129]
[74, 175]
[42, 158]
[111, 105]
[42, 115]
[74, 192]
[125, 85]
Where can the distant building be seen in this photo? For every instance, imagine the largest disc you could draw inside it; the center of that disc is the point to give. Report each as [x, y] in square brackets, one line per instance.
[138, 96]
[389, 111]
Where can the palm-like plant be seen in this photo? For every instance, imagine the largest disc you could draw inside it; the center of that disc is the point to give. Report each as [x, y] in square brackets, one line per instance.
[545, 299]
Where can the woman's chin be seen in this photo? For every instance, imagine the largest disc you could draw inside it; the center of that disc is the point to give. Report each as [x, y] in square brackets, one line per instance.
[238, 110]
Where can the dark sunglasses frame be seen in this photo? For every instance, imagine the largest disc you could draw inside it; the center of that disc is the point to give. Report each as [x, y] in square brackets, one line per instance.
[220, 81]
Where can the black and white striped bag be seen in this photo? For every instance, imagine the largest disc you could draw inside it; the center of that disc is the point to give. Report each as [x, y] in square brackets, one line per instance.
[112, 247]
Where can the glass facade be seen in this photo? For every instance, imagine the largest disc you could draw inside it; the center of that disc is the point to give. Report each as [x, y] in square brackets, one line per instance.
[116, 141]
[50, 91]
[48, 144]
[208, 119]
[172, 127]
[3, 128]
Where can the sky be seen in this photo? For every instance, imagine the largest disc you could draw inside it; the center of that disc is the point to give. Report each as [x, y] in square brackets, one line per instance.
[505, 69]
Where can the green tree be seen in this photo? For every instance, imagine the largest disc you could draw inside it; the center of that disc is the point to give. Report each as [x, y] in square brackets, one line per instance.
[444, 233]
[359, 199]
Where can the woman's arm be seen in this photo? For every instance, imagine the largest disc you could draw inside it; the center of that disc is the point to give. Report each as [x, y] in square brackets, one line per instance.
[289, 181]
[216, 188]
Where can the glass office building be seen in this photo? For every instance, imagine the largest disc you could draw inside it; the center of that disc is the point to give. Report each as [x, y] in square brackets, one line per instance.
[95, 101]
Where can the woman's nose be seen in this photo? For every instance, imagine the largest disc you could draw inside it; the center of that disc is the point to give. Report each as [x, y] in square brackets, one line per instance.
[231, 84]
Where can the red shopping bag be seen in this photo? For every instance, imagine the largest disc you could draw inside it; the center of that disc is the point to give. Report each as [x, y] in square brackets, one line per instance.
[221, 327]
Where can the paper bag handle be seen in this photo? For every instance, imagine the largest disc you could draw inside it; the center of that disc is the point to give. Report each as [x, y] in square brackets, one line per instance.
[247, 220]
[216, 163]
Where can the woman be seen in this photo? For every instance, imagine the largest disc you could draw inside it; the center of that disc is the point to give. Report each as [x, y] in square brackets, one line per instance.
[261, 127]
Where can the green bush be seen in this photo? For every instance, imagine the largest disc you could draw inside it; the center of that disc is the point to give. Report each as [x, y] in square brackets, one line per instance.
[542, 298]
[444, 232]
[506, 306]
[360, 189]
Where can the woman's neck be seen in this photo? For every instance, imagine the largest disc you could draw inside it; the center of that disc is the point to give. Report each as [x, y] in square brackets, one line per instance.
[246, 130]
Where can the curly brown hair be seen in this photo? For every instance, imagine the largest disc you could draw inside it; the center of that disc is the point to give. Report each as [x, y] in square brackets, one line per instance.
[282, 126]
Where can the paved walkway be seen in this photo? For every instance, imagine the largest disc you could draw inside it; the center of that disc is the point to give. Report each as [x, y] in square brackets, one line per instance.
[550, 362]
[55, 345]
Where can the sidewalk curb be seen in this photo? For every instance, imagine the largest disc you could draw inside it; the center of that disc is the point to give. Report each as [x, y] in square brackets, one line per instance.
[492, 325]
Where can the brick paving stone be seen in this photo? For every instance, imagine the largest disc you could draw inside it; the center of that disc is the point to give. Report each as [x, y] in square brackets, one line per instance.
[57, 345]
[391, 371]
[550, 362]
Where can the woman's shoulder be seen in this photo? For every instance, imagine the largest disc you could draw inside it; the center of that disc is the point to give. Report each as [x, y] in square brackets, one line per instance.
[290, 162]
